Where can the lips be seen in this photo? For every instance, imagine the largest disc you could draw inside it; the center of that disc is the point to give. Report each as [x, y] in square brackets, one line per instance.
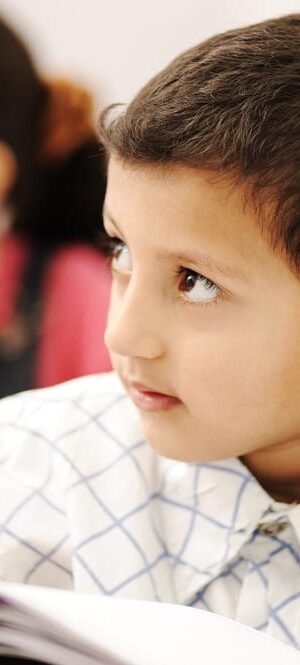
[150, 400]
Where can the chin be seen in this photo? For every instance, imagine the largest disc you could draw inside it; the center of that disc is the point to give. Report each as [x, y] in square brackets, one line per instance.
[169, 446]
[167, 442]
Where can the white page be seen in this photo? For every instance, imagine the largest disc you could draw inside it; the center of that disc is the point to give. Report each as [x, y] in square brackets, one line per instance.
[149, 633]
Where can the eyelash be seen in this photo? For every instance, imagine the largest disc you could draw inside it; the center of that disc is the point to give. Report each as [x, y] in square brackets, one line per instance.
[205, 280]
[111, 244]
[179, 272]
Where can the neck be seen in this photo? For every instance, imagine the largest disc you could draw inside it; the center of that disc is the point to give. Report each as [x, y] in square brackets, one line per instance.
[277, 469]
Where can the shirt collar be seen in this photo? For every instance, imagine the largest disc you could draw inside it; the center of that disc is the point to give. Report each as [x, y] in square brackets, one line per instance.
[216, 508]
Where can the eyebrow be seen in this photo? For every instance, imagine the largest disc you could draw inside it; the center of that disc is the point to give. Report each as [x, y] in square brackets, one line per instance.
[199, 258]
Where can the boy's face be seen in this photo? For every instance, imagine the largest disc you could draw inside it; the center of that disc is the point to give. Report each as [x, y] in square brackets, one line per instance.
[203, 311]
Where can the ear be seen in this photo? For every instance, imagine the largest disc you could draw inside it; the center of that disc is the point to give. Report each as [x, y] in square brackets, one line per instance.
[8, 170]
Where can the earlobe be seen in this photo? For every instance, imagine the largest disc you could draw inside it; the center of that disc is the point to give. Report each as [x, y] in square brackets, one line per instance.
[8, 170]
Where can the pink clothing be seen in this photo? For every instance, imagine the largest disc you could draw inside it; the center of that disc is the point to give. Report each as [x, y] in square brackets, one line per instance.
[13, 256]
[75, 297]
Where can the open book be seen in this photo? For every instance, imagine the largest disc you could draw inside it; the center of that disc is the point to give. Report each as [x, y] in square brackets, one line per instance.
[68, 628]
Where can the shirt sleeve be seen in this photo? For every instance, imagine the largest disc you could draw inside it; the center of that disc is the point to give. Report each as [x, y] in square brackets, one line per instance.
[34, 534]
[75, 305]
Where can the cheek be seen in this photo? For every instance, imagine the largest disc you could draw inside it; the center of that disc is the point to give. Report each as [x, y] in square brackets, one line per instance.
[225, 373]
[245, 376]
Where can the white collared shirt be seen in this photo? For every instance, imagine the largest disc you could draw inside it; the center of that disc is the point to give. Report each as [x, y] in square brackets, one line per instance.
[85, 503]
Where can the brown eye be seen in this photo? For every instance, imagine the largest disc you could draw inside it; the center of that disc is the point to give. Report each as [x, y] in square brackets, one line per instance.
[197, 287]
[188, 280]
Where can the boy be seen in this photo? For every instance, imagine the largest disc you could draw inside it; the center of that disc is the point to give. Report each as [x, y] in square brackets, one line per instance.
[202, 208]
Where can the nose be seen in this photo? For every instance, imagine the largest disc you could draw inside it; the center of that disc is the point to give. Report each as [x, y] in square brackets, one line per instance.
[135, 326]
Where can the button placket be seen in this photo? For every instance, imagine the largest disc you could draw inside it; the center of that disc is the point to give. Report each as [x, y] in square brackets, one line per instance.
[272, 528]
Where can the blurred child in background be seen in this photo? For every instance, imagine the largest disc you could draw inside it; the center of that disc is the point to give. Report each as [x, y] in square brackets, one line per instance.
[54, 280]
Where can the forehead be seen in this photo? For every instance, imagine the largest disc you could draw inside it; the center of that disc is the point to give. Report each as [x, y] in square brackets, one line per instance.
[180, 207]
[191, 199]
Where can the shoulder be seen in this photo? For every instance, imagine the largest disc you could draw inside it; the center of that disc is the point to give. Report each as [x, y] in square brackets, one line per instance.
[65, 414]
[97, 391]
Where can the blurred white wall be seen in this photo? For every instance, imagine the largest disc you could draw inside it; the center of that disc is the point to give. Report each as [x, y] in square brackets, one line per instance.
[115, 46]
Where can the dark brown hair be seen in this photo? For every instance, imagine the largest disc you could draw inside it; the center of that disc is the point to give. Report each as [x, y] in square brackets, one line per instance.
[230, 105]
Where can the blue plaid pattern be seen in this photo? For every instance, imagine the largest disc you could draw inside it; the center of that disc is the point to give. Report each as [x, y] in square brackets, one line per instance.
[85, 503]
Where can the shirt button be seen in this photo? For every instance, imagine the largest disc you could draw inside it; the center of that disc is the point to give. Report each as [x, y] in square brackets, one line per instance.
[272, 528]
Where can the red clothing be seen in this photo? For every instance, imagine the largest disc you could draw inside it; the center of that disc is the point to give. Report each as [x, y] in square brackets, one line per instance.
[75, 297]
